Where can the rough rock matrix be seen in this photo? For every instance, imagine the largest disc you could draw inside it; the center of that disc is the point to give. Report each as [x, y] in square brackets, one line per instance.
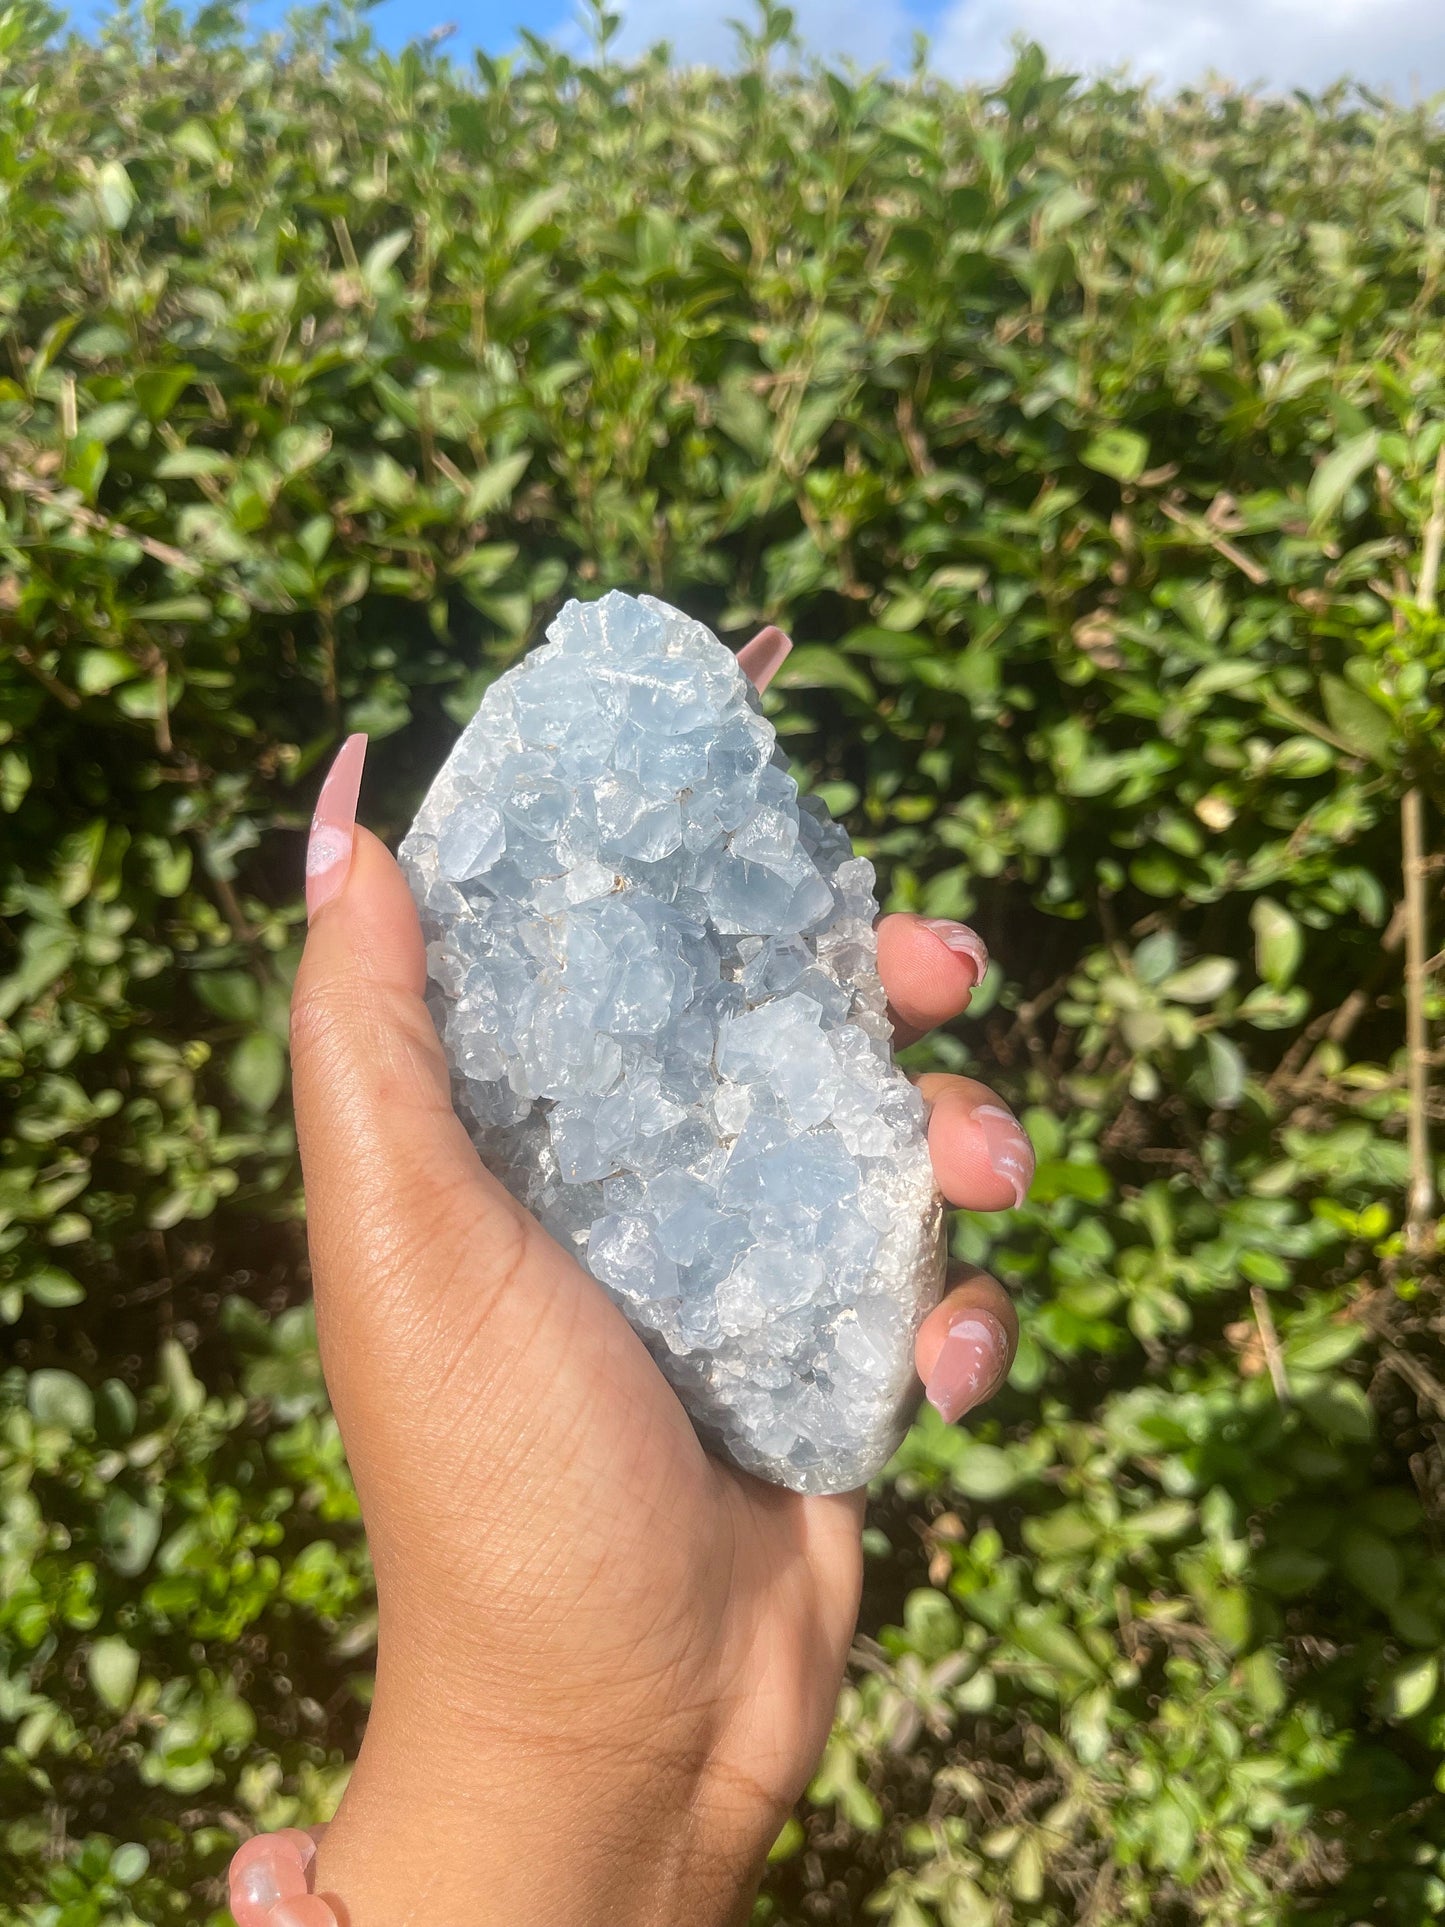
[653, 970]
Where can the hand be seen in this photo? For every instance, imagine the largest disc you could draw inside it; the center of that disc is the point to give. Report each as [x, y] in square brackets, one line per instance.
[607, 1663]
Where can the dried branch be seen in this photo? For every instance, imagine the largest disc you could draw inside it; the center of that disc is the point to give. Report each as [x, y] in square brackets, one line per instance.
[1417, 1042]
[1419, 1230]
[1269, 1339]
[1434, 538]
[1222, 546]
[81, 517]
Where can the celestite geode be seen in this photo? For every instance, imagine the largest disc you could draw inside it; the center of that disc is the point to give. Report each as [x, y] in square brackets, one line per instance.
[653, 969]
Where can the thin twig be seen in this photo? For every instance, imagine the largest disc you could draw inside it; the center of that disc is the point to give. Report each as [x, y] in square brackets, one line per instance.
[1269, 1338]
[228, 900]
[1417, 1042]
[1221, 545]
[1418, 1230]
[1418, 1377]
[81, 517]
[43, 676]
[1434, 538]
[1335, 1026]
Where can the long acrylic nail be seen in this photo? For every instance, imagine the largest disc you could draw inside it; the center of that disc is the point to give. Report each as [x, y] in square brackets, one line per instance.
[962, 941]
[333, 827]
[1009, 1151]
[762, 658]
[970, 1365]
[265, 1872]
[298, 1840]
[311, 1910]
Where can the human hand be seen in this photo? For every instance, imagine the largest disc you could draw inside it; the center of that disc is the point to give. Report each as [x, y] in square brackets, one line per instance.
[607, 1663]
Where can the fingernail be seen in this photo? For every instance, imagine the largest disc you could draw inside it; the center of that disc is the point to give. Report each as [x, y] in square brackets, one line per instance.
[970, 1365]
[311, 1910]
[298, 1841]
[333, 827]
[1008, 1148]
[264, 1873]
[762, 658]
[962, 941]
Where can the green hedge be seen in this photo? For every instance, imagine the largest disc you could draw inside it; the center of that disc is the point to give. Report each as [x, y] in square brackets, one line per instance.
[1090, 445]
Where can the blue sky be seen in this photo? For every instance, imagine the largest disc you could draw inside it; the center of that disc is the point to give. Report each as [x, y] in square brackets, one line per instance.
[1394, 44]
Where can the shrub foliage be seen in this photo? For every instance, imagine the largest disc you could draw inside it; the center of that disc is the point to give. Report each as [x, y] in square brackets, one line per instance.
[1091, 445]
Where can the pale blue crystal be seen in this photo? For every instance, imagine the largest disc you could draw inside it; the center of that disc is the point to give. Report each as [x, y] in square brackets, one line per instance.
[652, 965]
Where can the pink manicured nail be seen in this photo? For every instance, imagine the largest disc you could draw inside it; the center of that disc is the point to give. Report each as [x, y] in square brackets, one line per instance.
[962, 941]
[762, 658]
[310, 1911]
[1009, 1151]
[970, 1365]
[301, 1841]
[333, 827]
[265, 1871]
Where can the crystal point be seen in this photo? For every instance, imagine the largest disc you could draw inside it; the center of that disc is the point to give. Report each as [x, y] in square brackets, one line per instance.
[654, 973]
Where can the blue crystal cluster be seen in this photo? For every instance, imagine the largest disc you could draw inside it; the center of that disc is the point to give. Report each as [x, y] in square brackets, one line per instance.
[652, 966]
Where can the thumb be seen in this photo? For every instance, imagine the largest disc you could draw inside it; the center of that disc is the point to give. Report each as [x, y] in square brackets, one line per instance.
[404, 1222]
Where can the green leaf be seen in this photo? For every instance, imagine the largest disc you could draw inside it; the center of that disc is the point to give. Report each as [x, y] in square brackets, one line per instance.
[382, 256]
[1156, 956]
[1201, 982]
[1118, 452]
[233, 994]
[1341, 1411]
[818, 667]
[116, 1411]
[60, 1398]
[1372, 1564]
[105, 424]
[1361, 725]
[1278, 942]
[257, 1070]
[180, 463]
[184, 1390]
[1069, 1530]
[176, 608]
[1331, 481]
[116, 194]
[536, 209]
[983, 1471]
[129, 1863]
[886, 645]
[1045, 1638]
[53, 1288]
[1289, 1570]
[492, 488]
[195, 140]
[1225, 1073]
[158, 390]
[114, 1666]
[100, 670]
[129, 1531]
[790, 1841]
[1407, 1689]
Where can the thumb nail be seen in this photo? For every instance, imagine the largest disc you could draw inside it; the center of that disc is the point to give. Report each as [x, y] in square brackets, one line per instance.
[333, 826]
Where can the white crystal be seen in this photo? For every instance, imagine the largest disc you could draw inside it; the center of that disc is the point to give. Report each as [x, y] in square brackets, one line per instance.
[654, 974]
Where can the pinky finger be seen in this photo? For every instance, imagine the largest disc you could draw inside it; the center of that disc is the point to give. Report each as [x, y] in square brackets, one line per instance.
[965, 1346]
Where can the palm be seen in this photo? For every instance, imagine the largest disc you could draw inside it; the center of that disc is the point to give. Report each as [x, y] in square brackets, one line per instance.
[766, 1580]
[683, 1581]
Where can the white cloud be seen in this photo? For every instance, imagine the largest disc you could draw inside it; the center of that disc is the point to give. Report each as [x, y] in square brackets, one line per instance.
[875, 33]
[1397, 44]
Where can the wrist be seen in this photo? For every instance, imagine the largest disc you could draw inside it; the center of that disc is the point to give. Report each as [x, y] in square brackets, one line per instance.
[450, 1829]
